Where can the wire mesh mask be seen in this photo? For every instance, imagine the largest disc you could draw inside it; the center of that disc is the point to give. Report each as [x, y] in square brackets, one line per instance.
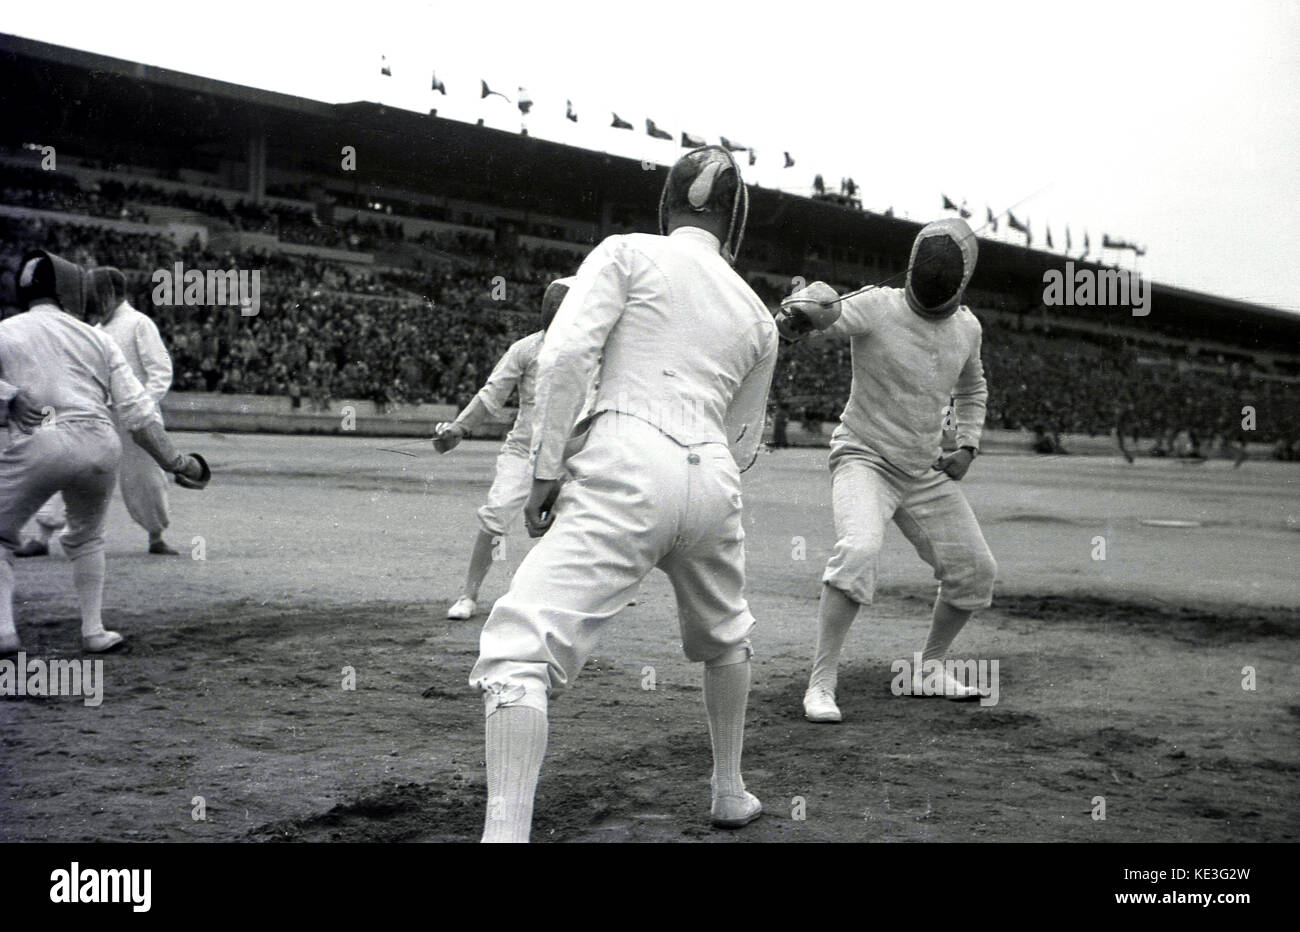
[696, 185]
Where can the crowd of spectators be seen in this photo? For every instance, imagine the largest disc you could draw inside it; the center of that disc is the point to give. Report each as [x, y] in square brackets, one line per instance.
[336, 346]
[288, 223]
[329, 330]
[117, 200]
[1094, 385]
[122, 200]
[47, 190]
[325, 330]
[1069, 382]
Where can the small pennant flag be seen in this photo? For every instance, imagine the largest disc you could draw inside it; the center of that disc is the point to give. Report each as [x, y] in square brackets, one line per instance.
[948, 204]
[1016, 224]
[1050, 244]
[731, 146]
[525, 102]
[488, 92]
[1108, 243]
[753, 156]
[1068, 245]
[620, 123]
[569, 113]
[992, 221]
[383, 67]
[438, 85]
[965, 214]
[691, 142]
[1087, 245]
[789, 162]
[656, 132]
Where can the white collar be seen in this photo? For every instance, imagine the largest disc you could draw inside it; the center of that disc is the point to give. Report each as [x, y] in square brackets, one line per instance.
[700, 234]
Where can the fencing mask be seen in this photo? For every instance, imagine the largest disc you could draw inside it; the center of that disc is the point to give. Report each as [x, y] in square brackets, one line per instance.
[43, 276]
[707, 180]
[942, 263]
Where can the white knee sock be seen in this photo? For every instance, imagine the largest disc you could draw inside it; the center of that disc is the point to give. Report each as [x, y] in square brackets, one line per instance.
[7, 630]
[88, 576]
[948, 621]
[516, 744]
[836, 616]
[726, 693]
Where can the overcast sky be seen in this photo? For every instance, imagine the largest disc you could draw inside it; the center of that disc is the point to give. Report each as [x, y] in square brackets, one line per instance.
[1172, 125]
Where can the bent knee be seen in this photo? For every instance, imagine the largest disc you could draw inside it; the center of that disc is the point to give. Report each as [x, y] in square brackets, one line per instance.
[985, 570]
[860, 555]
[75, 546]
[492, 522]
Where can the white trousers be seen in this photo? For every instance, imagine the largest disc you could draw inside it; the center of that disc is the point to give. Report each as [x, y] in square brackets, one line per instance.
[636, 500]
[144, 487]
[78, 458]
[511, 484]
[932, 513]
[144, 492]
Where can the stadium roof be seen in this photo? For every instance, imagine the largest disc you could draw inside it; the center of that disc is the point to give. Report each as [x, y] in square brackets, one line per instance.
[119, 110]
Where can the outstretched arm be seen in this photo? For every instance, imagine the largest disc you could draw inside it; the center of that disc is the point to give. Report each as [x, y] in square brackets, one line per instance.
[818, 310]
[489, 402]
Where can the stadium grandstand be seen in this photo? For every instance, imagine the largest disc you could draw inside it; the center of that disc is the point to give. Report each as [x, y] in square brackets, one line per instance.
[400, 278]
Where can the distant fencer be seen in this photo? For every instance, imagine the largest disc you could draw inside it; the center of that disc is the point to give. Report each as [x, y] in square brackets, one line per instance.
[684, 352]
[58, 377]
[913, 350]
[512, 481]
[142, 481]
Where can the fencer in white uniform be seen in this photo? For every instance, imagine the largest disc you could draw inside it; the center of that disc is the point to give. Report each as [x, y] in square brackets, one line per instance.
[513, 477]
[143, 483]
[684, 353]
[915, 349]
[54, 363]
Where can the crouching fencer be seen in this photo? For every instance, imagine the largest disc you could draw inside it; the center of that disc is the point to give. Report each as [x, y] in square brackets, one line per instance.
[58, 377]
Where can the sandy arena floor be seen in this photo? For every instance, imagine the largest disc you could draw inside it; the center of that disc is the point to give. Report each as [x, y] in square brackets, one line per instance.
[1119, 678]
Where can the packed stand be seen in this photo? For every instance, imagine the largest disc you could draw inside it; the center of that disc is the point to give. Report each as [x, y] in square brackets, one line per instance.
[329, 330]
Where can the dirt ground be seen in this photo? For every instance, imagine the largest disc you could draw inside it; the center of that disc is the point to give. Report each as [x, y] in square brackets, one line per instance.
[1119, 678]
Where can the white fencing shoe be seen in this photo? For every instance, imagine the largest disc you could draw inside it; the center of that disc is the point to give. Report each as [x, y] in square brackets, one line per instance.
[819, 705]
[948, 687]
[734, 810]
[462, 609]
[103, 642]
